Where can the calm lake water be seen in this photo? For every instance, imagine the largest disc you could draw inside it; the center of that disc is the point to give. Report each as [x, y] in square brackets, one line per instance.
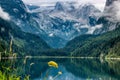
[72, 69]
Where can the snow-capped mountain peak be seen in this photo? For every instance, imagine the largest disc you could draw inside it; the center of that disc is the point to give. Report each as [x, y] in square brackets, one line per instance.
[64, 6]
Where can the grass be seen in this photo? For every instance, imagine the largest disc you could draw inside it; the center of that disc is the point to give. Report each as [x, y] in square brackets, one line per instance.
[8, 72]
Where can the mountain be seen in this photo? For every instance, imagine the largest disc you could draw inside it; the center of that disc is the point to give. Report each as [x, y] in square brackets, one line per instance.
[23, 43]
[62, 22]
[89, 45]
[26, 20]
[32, 7]
[78, 42]
[69, 11]
[86, 12]
[64, 6]
[56, 25]
[106, 42]
[17, 10]
[34, 31]
[20, 15]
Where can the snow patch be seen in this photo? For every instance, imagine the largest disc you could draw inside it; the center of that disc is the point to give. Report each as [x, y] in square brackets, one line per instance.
[51, 34]
[2, 29]
[18, 22]
[15, 10]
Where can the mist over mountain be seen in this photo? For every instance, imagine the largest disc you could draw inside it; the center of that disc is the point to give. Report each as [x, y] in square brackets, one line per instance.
[66, 21]
[106, 44]
[110, 17]
[57, 24]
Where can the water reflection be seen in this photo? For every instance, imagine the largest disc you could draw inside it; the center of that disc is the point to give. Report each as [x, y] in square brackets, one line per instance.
[72, 69]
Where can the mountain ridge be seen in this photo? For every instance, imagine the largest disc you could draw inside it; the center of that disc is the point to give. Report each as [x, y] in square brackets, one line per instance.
[23, 43]
[106, 44]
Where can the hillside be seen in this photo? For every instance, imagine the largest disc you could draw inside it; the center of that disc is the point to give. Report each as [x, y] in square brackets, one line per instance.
[107, 41]
[23, 43]
[105, 44]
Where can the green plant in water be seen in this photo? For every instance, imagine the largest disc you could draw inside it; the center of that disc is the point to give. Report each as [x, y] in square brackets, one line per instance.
[30, 66]
[27, 77]
[4, 76]
[25, 60]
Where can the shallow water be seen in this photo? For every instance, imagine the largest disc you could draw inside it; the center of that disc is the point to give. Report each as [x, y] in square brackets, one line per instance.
[71, 68]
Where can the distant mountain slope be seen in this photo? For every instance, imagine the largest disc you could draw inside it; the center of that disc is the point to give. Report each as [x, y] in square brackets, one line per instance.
[65, 21]
[106, 44]
[23, 43]
[78, 42]
[32, 7]
[108, 40]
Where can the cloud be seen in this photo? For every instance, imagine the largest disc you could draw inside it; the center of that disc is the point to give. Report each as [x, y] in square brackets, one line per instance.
[98, 3]
[117, 8]
[4, 15]
[92, 29]
[36, 1]
[112, 12]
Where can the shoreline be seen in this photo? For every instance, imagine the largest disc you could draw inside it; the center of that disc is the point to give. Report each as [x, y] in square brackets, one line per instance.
[112, 58]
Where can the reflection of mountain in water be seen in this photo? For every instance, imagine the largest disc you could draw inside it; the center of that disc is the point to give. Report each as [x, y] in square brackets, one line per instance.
[94, 69]
[72, 69]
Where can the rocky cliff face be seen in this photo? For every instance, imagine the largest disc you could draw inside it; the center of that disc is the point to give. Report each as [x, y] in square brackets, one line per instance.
[14, 8]
[66, 21]
[19, 14]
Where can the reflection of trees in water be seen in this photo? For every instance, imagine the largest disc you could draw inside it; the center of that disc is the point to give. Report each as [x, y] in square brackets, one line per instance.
[28, 66]
[82, 68]
[18, 68]
[39, 67]
[114, 66]
[93, 68]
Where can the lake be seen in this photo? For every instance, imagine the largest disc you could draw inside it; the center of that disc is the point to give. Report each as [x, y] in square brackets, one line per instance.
[68, 69]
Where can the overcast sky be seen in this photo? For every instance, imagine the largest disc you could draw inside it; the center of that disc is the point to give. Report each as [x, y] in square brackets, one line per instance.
[98, 3]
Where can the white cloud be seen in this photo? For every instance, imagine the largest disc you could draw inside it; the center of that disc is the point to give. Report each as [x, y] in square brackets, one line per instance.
[112, 12]
[48, 1]
[117, 6]
[92, 29]
[98, 3]
[4, 15]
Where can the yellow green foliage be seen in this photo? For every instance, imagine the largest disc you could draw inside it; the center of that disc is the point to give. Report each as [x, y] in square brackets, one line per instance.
[4, 76]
